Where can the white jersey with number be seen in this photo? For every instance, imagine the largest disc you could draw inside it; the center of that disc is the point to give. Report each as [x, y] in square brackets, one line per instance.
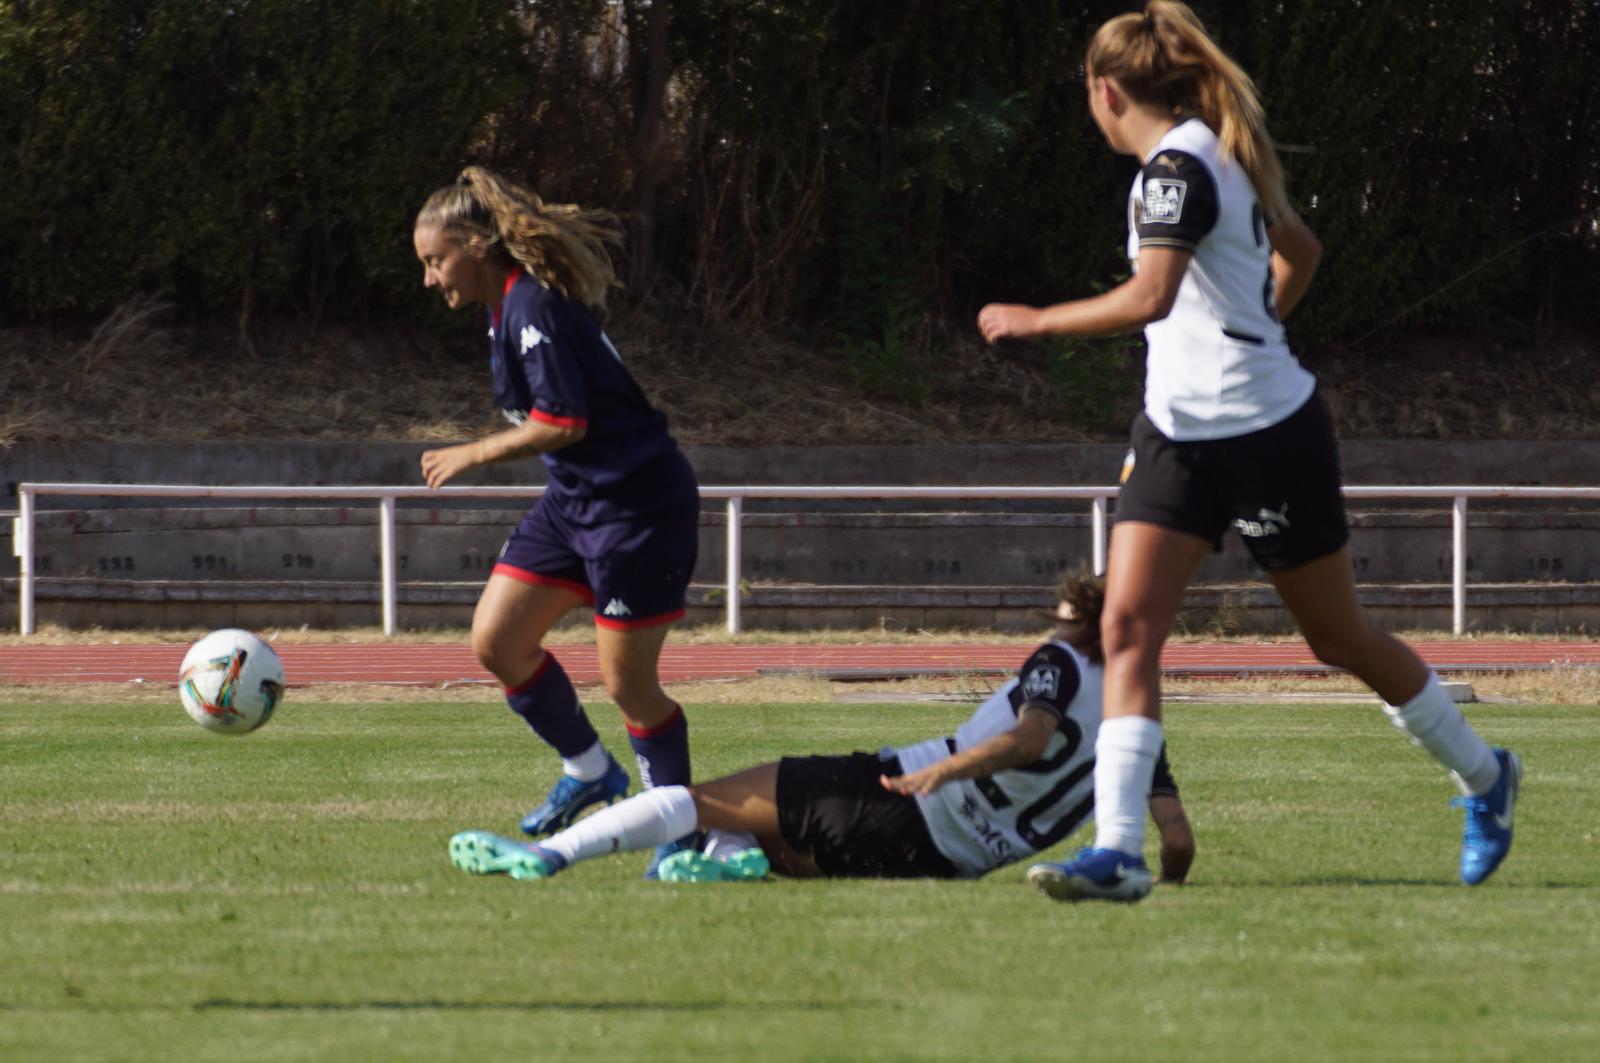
[1219, 365]
[981, 824]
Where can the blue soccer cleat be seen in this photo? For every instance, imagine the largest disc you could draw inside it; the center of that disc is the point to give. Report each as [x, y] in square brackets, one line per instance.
[1487, 836]
[689, 843]
[478, 852]
[1094, 874]
[569, 796]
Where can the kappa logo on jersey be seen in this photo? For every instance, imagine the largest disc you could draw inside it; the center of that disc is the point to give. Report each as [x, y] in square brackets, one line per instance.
[1042, 681]
[1267, 522]
[531, 338]
[1163, 199]
[1168, 161]
[616, 607]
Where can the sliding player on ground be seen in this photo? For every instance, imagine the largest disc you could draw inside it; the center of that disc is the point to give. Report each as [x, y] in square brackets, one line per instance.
[1013, 780]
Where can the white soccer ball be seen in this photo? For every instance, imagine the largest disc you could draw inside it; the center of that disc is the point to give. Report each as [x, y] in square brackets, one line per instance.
[230, 681]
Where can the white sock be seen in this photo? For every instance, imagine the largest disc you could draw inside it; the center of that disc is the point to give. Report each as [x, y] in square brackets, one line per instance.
[1435, 723]
[1124, 763]
[721, 844]
[588, 765]
[644, 821]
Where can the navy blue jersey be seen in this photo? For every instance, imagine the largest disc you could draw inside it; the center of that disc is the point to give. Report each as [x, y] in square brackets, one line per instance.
[552, 362]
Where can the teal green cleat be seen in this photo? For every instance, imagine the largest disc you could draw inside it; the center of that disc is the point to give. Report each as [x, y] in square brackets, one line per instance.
[691, 865]
[478, 852]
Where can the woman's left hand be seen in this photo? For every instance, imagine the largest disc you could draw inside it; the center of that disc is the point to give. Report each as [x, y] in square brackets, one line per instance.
[439, 467]
[923, 782]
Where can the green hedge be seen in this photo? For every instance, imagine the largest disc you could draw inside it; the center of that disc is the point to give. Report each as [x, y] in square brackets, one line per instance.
[864, 174]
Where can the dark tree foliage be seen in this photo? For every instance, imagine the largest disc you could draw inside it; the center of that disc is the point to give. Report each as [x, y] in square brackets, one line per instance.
[864, 174]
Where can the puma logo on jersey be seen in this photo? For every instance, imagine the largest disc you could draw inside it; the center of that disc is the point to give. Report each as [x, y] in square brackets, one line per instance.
[531, 338]
[616, 607]
[1163, 199]
[1267, 522]
[1168, 161]
[1042, 681]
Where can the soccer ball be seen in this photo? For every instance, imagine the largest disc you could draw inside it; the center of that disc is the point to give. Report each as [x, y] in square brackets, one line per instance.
[230, 681]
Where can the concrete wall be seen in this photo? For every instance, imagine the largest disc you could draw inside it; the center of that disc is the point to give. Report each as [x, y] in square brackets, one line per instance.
[122, 562]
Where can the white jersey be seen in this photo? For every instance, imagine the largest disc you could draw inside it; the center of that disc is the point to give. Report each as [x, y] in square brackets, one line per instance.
[981, 824]
[1219, 364]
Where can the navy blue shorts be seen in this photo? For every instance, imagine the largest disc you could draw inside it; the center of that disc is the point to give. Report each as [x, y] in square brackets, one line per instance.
[634, 572]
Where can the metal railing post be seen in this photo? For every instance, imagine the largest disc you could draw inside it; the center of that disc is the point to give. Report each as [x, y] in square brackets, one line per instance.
[1458, 564]
[22, 546]
[386, 561]
[735, 537]
[1098, 524]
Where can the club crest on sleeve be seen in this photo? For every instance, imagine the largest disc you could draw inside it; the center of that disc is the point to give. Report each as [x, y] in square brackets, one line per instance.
[1163, 199]
[1042, 681]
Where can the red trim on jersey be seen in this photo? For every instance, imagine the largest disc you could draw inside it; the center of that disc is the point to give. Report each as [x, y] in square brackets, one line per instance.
[511, 282]
[559, 422]
[668, 724]
[533, 680]
[630, 625]
[535, 579]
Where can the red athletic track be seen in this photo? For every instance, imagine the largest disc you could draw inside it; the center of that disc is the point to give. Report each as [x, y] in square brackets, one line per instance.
[435, 664]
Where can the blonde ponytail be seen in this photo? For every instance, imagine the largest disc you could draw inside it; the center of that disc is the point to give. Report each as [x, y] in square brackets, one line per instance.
[562, 244]
[1165, 58]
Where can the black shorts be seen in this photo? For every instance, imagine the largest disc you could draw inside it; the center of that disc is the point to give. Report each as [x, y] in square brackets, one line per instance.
[835, 809]
[1278, 487]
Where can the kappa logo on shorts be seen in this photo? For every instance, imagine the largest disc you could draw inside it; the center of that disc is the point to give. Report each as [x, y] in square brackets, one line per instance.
[1163, 199]
[616, 607]
[1267, 522]
[1042, 681]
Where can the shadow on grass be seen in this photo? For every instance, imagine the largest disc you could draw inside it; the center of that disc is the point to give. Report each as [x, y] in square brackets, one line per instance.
[539, 1005]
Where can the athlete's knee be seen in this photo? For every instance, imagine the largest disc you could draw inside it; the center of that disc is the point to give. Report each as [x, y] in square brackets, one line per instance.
[504, 656]
[1128, 633]
[1347, 646]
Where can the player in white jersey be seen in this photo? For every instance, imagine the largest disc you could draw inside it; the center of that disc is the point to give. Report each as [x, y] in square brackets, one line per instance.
[1233, 433]
[1013, 780]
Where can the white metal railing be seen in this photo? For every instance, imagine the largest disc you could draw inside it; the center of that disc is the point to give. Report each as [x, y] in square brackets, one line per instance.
[386, 498]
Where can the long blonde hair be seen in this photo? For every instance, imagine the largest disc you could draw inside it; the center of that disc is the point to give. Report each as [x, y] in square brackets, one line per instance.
[562, 244]
[1166, 59]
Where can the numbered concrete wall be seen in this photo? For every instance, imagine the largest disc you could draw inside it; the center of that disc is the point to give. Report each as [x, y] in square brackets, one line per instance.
[124, 562]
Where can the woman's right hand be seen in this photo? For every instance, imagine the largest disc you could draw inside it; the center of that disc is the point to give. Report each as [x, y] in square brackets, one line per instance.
[999, 321]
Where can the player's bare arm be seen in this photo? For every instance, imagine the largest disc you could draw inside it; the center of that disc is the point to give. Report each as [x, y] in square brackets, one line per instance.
[1296, 253]
[1146, 296]
[1023, 744]
[441, 466]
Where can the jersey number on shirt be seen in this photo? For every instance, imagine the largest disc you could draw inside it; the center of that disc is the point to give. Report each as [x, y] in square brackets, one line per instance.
[1065, 823]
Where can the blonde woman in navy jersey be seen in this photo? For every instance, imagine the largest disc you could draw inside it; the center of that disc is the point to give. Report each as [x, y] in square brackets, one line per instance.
[1233, 433]
[617, 527]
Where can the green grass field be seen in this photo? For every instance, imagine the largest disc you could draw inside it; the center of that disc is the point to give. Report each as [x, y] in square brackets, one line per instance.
[166, 894]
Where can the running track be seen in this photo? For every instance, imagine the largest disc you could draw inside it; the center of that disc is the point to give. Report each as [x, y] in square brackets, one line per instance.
[435, 664]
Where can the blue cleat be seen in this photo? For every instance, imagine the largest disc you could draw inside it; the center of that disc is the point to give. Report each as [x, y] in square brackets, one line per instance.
[478, 852]
[570, 796]
[1093, 874]
[687, 844]
[1487, 837]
